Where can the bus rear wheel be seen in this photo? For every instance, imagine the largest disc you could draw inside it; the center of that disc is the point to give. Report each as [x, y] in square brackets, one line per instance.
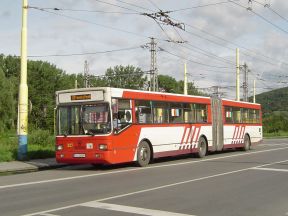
[247, 143]
[143, 154]
[202, 147]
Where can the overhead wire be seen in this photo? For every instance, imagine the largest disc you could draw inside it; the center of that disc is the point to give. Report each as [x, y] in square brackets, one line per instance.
[203, 64]
[119, 6]
[262, 17]
[272, 10]
[86, 53]
[81, 10]
[134, 5]
[111, 27]
[201, 6]
[87, 21]
[90, 22]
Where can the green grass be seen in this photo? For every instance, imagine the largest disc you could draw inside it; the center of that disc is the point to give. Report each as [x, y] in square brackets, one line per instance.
[276, 134]
[41, 144]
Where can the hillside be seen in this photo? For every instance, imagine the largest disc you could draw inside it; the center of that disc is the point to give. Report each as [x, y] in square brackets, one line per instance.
[275, 100]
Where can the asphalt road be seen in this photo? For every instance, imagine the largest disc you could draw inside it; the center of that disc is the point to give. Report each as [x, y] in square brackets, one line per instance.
[229, 183]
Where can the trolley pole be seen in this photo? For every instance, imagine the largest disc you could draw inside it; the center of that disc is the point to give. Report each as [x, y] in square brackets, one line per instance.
[23, 90]
[185, 79]
[237, 76]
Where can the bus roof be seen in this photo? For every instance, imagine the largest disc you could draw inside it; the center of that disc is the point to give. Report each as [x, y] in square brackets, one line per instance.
[81, 93]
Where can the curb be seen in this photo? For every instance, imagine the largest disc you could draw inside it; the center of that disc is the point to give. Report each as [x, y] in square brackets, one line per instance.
[17, 167]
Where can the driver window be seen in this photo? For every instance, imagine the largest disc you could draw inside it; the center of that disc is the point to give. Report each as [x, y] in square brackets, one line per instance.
[122, 113]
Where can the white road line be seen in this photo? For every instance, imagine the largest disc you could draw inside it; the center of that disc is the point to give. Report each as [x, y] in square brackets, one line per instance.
[130, 209]
[155, 188]
[271, 169]
[47, 214]
[137, 169]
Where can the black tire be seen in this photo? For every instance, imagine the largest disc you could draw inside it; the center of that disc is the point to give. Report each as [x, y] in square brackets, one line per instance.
[202, 147]
[143, 154]
[247, 143]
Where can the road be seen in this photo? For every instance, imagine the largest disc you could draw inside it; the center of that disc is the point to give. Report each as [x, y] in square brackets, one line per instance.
[229, 183]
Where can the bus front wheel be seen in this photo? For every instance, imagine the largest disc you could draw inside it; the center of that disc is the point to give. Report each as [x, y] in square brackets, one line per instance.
[143, 154]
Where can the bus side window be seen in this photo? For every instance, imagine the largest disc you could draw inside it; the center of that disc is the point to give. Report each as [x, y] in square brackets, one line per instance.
[143, 112]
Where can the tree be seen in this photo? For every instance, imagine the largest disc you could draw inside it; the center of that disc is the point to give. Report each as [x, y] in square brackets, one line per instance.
[125, 77]
[7, 103]
[44, 80]
[169, 84]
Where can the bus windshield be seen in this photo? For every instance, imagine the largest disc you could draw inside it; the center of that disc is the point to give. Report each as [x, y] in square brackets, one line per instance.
[84, 119]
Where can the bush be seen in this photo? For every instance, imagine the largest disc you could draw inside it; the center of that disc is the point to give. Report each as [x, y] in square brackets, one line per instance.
[40, 145]
[41, 138]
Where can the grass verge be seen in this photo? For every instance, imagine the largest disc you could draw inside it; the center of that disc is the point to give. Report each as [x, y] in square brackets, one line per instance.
[41, 144]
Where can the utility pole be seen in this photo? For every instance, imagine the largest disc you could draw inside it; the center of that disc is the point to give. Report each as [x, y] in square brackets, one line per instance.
[185, 79]
[86, 74]
[76, 82]
[237, 76]
[245, 82]
[254, 91]
[23, 90]
[216, 91]
[153, 67]
[153, 75]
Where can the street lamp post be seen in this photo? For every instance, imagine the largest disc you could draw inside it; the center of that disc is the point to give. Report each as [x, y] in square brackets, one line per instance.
[23, 90]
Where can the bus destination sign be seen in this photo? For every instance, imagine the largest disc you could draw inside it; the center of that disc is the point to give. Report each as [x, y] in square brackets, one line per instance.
[81, 97]
[76, 97]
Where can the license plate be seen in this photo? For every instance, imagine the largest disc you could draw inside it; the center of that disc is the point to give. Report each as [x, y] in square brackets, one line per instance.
[79, 155]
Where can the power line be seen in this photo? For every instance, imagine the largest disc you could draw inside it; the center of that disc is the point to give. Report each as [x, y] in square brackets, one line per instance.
[272, 10]
[86, 21]
[80, 10]
[117, 6]
[154, 4]
[232, 43]
[137, 6]
[93, 23]
[203, 64]
[262, 17]
[201, 6]
[87, 53]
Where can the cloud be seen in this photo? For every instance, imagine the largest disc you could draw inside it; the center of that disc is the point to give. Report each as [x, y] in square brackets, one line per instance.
[5, 14]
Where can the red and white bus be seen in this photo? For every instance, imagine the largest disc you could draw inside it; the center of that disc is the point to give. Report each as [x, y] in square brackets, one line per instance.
[106, 125]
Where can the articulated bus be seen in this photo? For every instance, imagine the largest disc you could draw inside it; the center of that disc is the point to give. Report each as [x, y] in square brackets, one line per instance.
[106, 125]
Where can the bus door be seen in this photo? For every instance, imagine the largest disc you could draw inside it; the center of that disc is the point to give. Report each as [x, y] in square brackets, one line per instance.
[217, 124]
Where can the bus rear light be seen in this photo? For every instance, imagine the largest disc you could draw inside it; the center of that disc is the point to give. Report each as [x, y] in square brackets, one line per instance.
[103, 147]
[59, 147]
[62, 156]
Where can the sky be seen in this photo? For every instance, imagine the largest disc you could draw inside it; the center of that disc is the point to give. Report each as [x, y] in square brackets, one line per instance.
[206, 34]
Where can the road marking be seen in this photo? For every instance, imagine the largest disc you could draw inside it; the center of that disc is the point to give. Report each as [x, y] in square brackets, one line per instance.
[137, 169]
[156, 188]
[271, 169]
[130, 209]
[47, 214]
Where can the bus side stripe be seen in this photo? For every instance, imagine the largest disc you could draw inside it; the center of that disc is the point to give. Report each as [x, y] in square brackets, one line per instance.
[189, 134]
[183, 137]
[234, 134]
[196, 139]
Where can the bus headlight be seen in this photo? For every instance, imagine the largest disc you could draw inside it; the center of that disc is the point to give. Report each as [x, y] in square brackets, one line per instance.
[59, 147]
[103, 147]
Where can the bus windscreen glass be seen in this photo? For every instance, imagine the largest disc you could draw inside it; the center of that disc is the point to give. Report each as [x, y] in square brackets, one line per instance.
[84, 120]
